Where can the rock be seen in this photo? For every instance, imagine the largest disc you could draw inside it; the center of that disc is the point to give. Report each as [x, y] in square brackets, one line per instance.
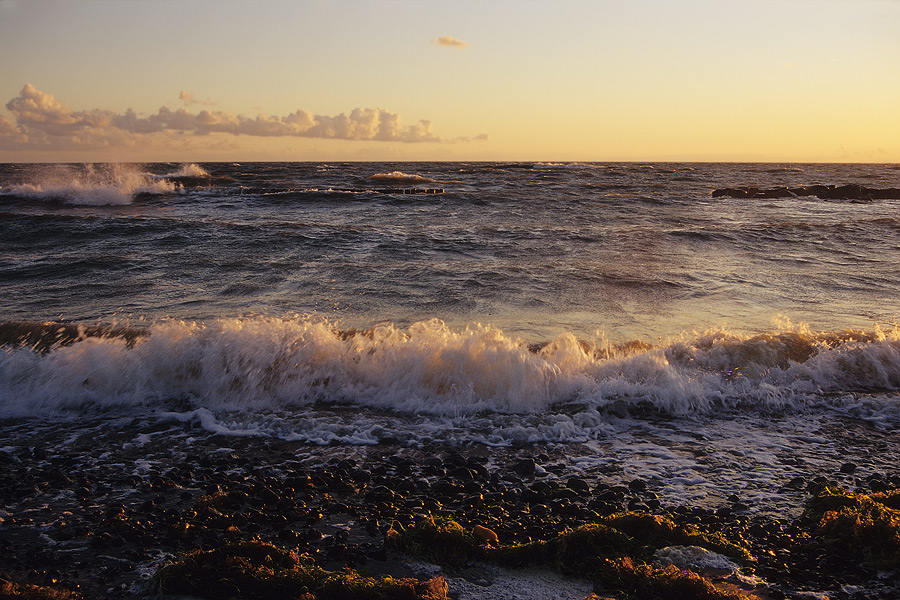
[461, 473]
[579, 485]
[636, 505]
[637, 485]
[825, 192]
[484, 534]
[525, 467]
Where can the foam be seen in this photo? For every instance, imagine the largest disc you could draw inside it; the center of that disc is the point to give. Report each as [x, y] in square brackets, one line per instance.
[92, 185]
[189, 170]
[400, 177]
[248, 376]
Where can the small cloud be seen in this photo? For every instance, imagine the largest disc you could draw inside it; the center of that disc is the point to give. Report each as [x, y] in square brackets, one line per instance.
[450, 42]
[482, 137]
[188, 99]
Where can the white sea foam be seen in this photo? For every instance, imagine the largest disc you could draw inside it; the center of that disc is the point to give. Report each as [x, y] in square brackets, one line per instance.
[400, 177]
[92, 185]
[250, 375]
[188, 170]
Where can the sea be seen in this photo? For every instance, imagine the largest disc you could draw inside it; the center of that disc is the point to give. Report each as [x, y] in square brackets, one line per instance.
[615, 315]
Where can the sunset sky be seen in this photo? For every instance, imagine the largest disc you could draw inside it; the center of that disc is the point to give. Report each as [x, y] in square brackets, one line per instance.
[600, 80]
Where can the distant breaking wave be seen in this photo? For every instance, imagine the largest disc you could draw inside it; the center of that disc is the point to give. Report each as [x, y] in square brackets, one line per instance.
[100, 184]
[400, 177]
[189, 170]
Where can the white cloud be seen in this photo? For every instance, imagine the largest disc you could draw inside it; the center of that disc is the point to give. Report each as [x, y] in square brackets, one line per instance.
[187, 98]
[450, 42]
[41, 121]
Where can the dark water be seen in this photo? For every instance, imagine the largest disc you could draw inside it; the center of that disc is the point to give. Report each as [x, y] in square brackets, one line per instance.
[637, 251]
[456, 302]
[615, 316]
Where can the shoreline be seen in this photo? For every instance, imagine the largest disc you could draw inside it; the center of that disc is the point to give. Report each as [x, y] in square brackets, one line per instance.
[99, 510]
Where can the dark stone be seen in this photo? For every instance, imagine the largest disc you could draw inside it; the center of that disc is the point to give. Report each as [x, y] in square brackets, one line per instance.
[461, 473]
[579, 485]
[637, 485]
[848, 467]
[361, 476]
[380, 493]
[825, 192]
[636, 505]
[57, 478]
[564, 493]
[525, 467]
[443, 486]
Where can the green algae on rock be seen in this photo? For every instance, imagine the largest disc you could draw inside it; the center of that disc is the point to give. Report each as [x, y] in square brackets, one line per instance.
[258, 571]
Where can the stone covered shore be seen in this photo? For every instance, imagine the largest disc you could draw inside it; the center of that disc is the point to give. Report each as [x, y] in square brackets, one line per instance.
[144, 510]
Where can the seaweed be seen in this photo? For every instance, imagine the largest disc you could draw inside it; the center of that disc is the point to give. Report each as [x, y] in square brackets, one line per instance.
[843, 523]
[614, 554]
[442, 541]
[16, 591]
[256, 570]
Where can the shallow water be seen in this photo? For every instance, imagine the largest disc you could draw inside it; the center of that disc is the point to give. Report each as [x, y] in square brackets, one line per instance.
[616, 311]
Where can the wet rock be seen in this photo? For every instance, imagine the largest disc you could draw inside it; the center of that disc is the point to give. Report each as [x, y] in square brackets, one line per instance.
[636, 505]
[461, 473]
[485, 534]
[361, 476]
[525, 467]
[825, 192]
[579, 485]
[637, 485]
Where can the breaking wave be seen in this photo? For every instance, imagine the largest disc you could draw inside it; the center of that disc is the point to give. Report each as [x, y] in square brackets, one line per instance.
[400, 177]
[265, 365]
[91, 185]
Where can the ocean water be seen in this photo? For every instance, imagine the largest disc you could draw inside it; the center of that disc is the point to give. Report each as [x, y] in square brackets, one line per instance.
[616, 311]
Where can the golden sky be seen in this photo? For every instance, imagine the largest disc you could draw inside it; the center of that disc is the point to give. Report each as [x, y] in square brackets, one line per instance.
[599, 80]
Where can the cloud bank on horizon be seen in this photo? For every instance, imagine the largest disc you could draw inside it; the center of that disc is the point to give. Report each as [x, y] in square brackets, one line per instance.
[42, 122]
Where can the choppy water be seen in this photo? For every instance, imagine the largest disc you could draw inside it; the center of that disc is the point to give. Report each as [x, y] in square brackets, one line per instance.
[513, 304]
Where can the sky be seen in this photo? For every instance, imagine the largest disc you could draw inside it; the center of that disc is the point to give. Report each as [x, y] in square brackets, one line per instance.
[569, 80]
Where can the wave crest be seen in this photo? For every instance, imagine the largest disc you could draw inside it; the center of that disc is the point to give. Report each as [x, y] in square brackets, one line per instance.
[400, 177]
[262, 365]
[92, 185]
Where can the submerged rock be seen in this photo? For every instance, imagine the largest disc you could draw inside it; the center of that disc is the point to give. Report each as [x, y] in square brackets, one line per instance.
[825, 192]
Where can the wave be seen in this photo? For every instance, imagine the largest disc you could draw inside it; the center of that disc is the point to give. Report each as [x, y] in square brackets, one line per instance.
[91, 185]
[400, 177]
[189, 170]
[264, 365]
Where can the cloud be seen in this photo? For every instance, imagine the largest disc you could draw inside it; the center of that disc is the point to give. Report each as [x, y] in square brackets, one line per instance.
[188, 99]
[450, 42]
[41, 121]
